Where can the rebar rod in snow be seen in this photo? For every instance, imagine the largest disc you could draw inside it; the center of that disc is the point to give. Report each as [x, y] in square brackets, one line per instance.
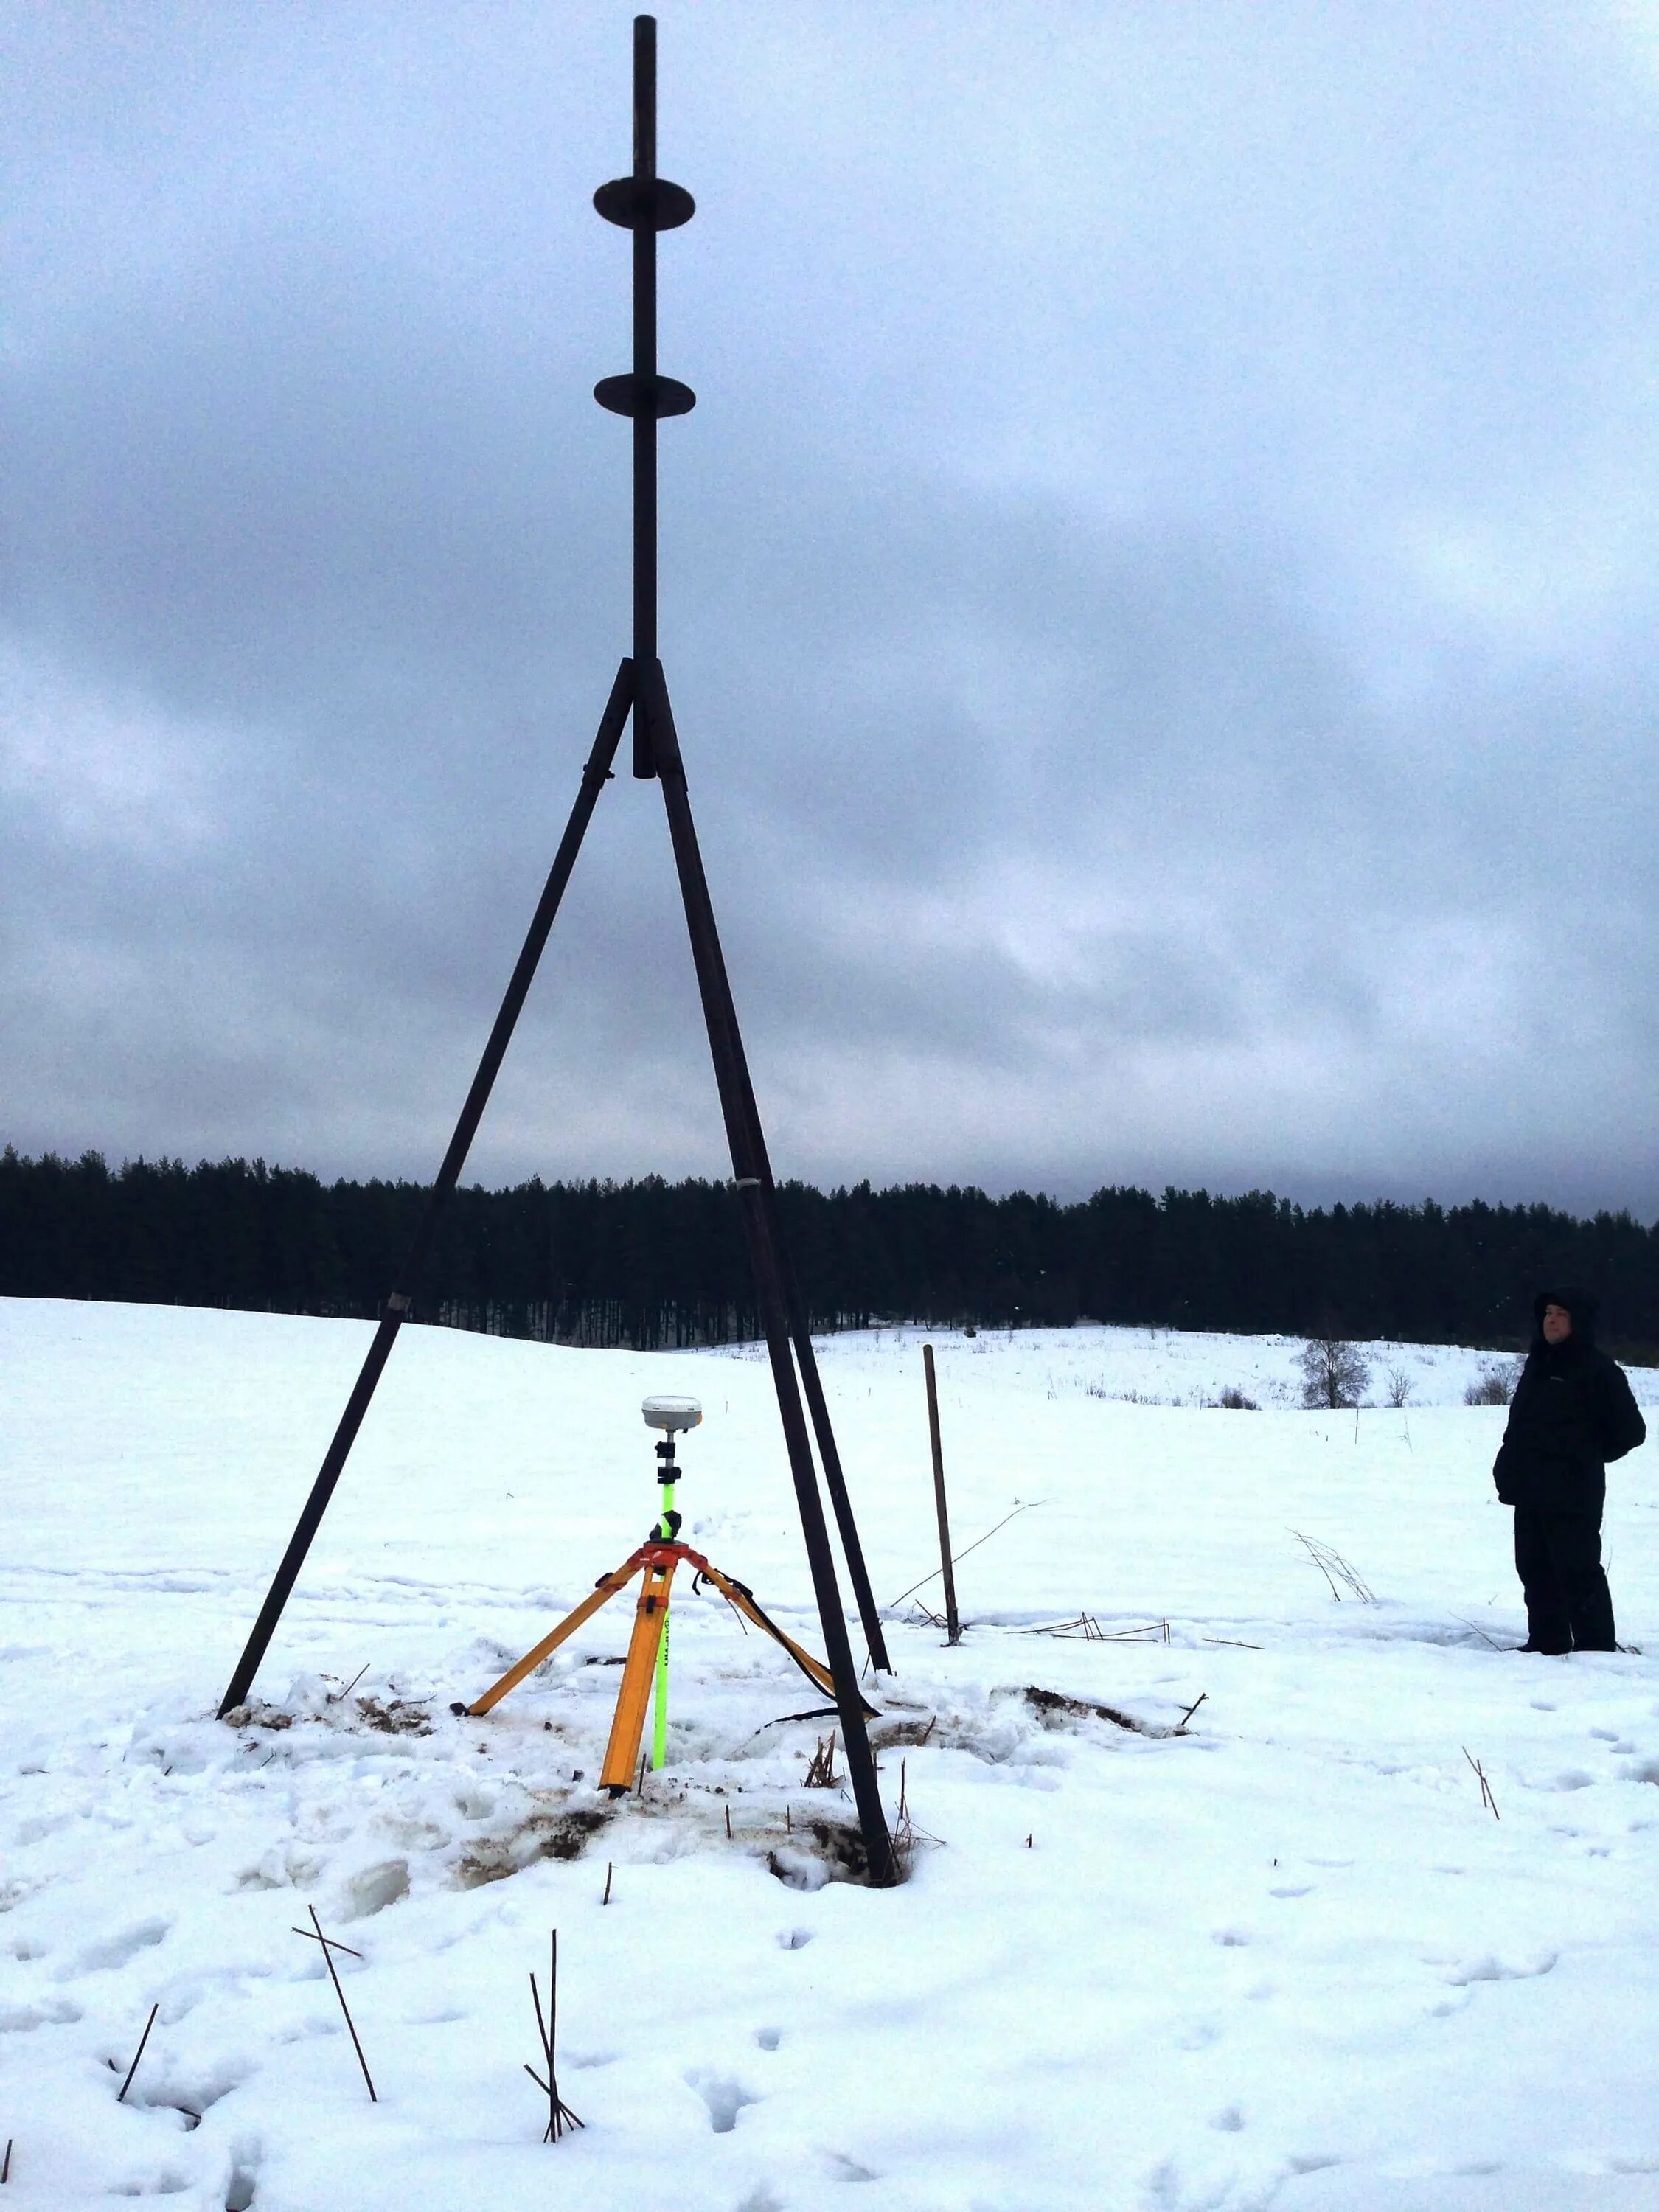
[138, 2054]
[329, 1947]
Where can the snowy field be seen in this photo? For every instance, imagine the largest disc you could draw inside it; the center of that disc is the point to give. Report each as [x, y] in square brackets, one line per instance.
[1284, 1957]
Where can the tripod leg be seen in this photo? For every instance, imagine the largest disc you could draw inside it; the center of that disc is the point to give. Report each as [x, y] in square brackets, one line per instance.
[800, 1333]
[603, 1591]
[650, 1618]
[720, 1016]
[595, 773]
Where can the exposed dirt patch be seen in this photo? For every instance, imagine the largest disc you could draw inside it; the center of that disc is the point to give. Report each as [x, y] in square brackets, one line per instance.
[399, 1717]
[894, 1736]
[544, 1836]
[257, 1714]
[1054, 1711]
[820, 1850]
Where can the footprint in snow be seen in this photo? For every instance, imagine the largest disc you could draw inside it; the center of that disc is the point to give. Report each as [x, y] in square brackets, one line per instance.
[244, 2177]
[116, 1950]
[375, 1887]
[769, 2038]
[724, 2097]
[794, 1939]
[840, 2167]
[1493, 1969]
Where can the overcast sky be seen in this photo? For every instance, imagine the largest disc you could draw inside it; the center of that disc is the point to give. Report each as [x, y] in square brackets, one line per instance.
[1160, 589]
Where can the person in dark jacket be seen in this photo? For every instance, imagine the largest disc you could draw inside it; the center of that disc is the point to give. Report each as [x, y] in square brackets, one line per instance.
[1572, 1412]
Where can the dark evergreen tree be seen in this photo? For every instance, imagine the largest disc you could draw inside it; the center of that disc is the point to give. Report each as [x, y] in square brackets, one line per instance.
[654, 1263]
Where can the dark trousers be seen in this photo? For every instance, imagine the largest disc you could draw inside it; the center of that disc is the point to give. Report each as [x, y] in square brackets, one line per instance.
[1557, 1557]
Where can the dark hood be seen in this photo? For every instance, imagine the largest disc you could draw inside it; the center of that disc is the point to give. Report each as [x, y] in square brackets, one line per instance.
[1582, 1305]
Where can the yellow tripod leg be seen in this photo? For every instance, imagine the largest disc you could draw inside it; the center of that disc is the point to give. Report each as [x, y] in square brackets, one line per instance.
[603, 1591]
[639, 1669]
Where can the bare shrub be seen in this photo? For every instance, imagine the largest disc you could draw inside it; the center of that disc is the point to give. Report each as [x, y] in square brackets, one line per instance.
[1398, 1385]
[1234, 1400]
[1494, 1385]
[1332, 1373]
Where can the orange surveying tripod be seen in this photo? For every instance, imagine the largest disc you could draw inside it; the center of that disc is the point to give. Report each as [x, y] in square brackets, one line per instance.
[647, 1647]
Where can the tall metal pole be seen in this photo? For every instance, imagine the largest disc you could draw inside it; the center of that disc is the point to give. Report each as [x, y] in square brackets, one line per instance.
[645, 369]
[646, 204]
[766, 1259]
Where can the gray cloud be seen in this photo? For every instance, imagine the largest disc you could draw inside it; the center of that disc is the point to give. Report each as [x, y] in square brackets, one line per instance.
[1159, 590]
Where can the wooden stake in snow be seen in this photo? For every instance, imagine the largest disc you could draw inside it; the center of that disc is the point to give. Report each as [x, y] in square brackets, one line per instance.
[953, 1625]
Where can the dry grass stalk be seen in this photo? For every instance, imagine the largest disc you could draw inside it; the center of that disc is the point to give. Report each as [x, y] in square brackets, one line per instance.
[1335, 1568]
[821, 1767]
[957, 1556]
[906, 1834]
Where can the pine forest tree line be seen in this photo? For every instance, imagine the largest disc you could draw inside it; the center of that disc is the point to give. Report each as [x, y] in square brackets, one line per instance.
[653, 1264]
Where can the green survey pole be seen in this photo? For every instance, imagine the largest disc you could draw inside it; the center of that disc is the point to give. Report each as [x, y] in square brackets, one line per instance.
[659, 1724]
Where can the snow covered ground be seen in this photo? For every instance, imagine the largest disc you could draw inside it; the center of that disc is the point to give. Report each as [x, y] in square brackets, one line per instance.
[1284, 1958]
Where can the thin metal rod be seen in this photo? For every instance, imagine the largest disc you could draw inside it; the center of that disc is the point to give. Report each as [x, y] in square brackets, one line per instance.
[328, 1961]
[595, 773]
[719, 1017]
[138, 2054]
[953, 1626]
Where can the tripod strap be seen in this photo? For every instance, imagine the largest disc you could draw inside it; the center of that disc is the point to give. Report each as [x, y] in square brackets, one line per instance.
[742, 1600]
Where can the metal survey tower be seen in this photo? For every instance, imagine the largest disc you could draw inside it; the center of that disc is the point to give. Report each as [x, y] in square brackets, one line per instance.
[645, 203]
